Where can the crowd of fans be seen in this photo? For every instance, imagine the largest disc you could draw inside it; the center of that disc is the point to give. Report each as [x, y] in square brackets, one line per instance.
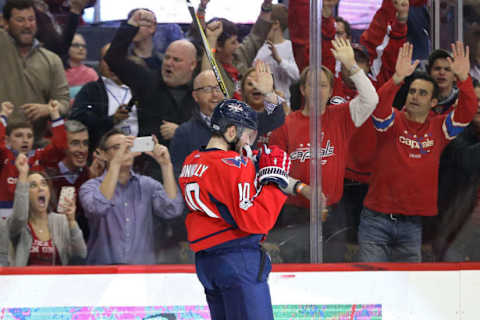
[399, 145]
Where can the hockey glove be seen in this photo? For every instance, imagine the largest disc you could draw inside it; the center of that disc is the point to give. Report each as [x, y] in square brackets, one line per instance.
[274, 165]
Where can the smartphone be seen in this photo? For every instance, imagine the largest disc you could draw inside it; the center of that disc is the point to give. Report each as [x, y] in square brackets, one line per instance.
[65, 193]
[142, 144]
[130, 104]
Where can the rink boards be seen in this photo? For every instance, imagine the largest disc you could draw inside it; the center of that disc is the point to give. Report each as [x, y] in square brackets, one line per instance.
[347, 292]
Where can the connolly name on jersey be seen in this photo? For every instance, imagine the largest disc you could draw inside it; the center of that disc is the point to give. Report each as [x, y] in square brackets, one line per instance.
[190, 170]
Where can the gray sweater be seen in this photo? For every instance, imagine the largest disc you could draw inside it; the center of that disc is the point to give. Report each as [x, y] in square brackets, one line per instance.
[68, 241]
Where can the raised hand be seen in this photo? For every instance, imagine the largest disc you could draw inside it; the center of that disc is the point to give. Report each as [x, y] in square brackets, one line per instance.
[69, 209]
[21, 162]
[203, 4]
[343, 51]
[141, 18]
[404, 66]
[214, 30]
[460, 64]
[160, 153]
[123, 152]
[274, 51]
[98, 164]
[6, 109]
[54, 109]
[328, 7]
[263, 79]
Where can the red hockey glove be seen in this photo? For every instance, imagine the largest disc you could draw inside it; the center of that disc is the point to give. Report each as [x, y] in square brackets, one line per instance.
[274, 165]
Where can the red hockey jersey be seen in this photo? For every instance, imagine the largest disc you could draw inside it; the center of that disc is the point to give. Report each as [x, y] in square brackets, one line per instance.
[405, 176]
[219, 188]
[361, 150]
[38, 159]
[385, 16]
[294, 138]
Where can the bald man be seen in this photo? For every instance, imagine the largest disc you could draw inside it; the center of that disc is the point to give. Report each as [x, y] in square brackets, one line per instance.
[179, 63]
[164, 97]
[195, 133]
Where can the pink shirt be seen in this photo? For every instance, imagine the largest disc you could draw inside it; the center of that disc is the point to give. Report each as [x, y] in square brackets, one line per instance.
[78, 76]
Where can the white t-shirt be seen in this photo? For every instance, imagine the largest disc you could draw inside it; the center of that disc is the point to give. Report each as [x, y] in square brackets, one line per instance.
[285, 73]
[118, 95]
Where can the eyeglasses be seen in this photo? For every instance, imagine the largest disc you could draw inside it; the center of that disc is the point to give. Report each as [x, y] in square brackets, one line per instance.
[209, 89]
[78, 143]
[79, 45]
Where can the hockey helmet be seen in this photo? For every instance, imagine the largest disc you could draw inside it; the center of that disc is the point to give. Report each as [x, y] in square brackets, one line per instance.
[233, 112]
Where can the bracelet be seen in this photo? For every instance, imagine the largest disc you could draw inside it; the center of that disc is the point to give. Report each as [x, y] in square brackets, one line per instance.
[266, 8]
[299, 187]
[296, 186]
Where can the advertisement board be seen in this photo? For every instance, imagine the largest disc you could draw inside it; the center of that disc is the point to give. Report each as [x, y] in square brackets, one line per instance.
[175, 293]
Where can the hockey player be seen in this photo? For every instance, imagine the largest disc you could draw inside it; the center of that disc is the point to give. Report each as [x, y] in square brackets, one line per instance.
[230, 214]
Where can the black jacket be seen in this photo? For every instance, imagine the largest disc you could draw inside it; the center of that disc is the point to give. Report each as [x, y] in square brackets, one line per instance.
[155, 101]
[91, 109]
[195, 133]
[459, 182]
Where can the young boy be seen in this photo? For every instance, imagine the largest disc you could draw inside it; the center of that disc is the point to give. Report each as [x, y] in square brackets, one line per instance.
[16, 136]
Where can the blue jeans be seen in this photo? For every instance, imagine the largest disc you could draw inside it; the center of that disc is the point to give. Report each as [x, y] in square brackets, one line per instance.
[235, 282]
[389, 238]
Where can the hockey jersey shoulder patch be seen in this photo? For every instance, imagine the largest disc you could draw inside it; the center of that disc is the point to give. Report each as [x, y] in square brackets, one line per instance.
[337, 100]
[237, 161]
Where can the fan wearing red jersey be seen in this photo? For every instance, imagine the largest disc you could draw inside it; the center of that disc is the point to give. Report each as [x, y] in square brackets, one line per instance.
[339, 123]
[231, 213]
[403, 186]
[17, 137]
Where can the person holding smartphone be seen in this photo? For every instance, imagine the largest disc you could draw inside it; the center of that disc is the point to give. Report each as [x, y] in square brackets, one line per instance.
[40, 236]
[121, 205]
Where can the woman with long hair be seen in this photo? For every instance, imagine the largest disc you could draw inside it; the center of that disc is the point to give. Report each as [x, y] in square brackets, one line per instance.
[39, 235]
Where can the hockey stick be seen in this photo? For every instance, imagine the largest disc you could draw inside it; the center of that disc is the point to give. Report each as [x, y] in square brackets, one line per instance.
[208, 51]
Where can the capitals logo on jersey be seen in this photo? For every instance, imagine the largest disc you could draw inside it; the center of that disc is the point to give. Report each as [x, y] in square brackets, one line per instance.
[237, 161]
[302, 153]
[418, 145]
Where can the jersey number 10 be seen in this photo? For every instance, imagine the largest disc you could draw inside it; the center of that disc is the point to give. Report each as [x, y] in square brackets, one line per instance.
[192, 198]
